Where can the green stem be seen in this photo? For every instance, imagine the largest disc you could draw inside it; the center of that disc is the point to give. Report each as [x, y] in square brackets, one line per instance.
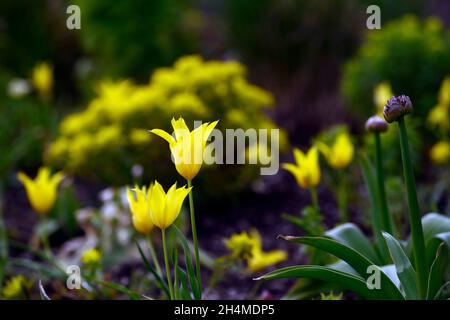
[414, 214]
[166, 260]
[45, 240]
[194, 236]
[315, 200]
[342, 196]
[386, 219]
[154, 256]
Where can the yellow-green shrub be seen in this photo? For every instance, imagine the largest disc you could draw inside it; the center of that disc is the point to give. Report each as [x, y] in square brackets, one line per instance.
[107, 138]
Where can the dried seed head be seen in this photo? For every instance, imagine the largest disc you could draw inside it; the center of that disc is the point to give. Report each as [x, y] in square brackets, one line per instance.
[376, 124]
[397, 107]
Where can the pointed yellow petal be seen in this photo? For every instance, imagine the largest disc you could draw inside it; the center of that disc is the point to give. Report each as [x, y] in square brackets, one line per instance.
[163, 134]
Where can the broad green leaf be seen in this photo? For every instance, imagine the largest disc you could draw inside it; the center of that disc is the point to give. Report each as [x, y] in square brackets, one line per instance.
[436, 275]
[434, 243]
[434, 223]
[350, 235]
[443, 292]
[189, 266]
[405, 270]
[159, 281]
[355, 259]
[345, 280]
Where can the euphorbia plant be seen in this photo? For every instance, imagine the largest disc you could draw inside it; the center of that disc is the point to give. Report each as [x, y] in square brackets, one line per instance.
[429, 246]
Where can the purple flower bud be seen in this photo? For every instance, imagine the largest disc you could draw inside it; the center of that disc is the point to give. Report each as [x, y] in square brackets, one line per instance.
[397, 107]
[376, 124]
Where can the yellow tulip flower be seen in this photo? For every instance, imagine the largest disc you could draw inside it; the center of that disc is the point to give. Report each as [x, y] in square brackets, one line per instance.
[140, 210]
[91, 256]
[187, 147]
[43, 190]
[165, 207]
[340, 154]
[42, 78]
[306, 170]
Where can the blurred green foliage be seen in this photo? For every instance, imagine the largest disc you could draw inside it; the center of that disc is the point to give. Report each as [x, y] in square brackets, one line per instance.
[411, 55]
[129, 38]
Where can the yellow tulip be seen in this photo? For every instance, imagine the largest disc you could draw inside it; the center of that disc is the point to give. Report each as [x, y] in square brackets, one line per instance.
[306, 170]
[140, 210]
[165, 207]
[440, 153]
[340, 154]
[187, 147]
[42, 78]
[43, 190]
[382, 93]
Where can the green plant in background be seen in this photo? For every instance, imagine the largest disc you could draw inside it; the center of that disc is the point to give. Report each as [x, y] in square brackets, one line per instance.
[425, 278]
[397, 54]
[112, 130]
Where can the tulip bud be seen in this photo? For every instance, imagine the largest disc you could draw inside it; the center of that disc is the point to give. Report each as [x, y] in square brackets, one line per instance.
[376, 124]
[397, 107]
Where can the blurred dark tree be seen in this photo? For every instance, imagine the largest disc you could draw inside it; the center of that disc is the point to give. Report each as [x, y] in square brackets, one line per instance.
[130, 38]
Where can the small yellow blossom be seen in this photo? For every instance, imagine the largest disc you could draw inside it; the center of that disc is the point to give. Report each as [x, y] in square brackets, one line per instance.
[444, 92]
[382, 93]
[42, 78]
[15, 287]
[330, 296]
[188, 146]
[340, 154]
[248, 246]
[140, 210]
[165, 207]
[43, 190]
[306, 169]
[91, 256]
[440, 153]
[439, 116]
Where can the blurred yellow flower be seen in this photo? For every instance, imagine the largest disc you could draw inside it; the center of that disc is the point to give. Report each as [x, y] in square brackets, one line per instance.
[440, 153]
[306, 169]
[248, 247]
[91, 256]
[43, 190]
[340, 155]
[165, 207]
[14, 288]
[439, 116]
[188, 146]
[42, 78]
[444, 92]
[140, 209]
[381, 94]
[330, 296]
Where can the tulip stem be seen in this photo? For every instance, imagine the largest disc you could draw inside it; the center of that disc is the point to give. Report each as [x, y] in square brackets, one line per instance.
[315, 200]
[386, 219]
[166, 261]
[151, 248]
[342, 196]
[194, 236]
[414, 214]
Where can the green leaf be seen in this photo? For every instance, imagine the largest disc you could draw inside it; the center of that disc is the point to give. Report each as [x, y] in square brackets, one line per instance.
[159, 281]
[405, 270]
[350, 235]
[347, 281]
[355, 259]
[189, 266]
[184, 289]
[434, 223]
[443, 292]
[118, 287]
[436, 275]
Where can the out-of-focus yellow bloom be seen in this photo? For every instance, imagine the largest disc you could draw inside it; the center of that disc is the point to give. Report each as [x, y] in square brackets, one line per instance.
[440, 153]
[140, 210]
[188, 146]
[15, 287]
[91, 256]
[330, 296]
[42, 78]
[381, 94]
[248, 246]
[306, 169]
[444, 92]
[165, 207]
[340, 155]
[439, 116]
[43, 190]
